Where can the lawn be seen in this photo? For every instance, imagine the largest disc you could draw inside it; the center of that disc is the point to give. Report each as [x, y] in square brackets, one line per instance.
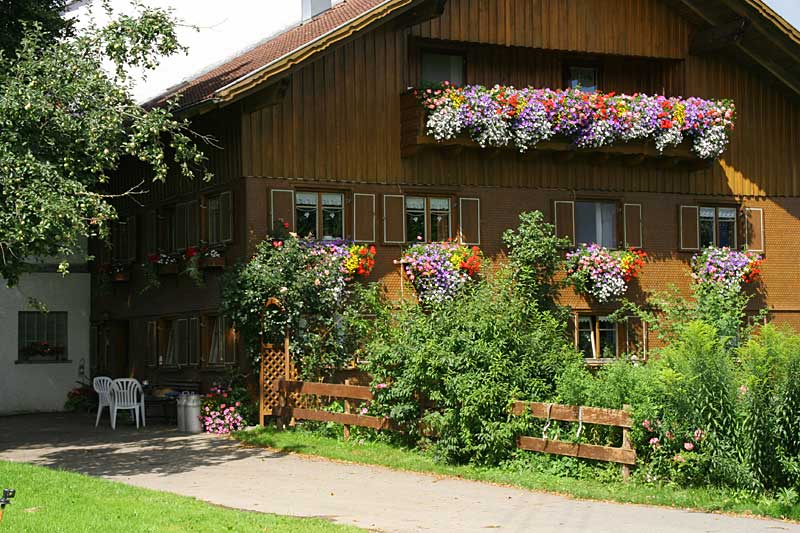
[59, 501]
[375, 453]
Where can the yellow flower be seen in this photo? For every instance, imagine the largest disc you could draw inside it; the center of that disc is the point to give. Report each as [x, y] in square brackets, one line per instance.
[679, 113]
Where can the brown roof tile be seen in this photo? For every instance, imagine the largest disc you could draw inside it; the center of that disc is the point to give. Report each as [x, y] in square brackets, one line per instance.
[203, 87]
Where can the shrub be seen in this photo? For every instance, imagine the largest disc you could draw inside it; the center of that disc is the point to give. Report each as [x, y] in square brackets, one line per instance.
[453, 371]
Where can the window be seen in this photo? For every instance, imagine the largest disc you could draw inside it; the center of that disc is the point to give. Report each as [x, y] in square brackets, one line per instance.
[219, 223]
[320, 214]
[596, 222]
[427, 219]
[441, 67]
[312, 8]
[583, 77]
[169, 343]
[42, 337]
[222, 345]
[718, 226]
[597, 337]
[166, 229]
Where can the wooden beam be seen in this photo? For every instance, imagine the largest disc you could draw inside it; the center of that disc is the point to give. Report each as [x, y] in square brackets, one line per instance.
[340, 418]
[353, 392]
[574, 449]
[571, 413]
[719, 37]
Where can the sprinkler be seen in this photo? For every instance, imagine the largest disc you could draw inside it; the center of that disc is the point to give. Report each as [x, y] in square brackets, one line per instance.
[5, 500]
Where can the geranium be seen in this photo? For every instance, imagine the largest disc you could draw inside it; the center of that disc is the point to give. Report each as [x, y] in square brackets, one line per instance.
[725, 267]
[604, 274]
[503, 116]
[438, 271]
[361, 259]
[217, 415]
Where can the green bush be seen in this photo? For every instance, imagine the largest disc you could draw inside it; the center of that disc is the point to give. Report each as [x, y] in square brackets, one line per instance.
[453, 371]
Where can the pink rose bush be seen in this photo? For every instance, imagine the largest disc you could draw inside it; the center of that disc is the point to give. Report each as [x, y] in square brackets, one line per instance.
[220, 413]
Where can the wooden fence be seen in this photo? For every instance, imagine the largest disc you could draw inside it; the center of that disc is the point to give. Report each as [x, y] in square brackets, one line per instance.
[284, 412]
[624, 455]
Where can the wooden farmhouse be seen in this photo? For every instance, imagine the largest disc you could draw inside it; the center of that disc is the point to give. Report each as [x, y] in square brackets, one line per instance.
[318, 127]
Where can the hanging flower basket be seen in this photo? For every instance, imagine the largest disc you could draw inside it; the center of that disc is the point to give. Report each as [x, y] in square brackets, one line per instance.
[603, 274]
[439, 270]
[726, 268]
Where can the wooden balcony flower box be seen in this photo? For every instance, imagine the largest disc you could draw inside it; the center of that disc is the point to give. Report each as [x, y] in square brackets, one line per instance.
[413, 139]
[168, 269]
[212, 262]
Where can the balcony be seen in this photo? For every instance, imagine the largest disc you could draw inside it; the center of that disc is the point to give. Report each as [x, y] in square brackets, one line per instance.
[414, 139]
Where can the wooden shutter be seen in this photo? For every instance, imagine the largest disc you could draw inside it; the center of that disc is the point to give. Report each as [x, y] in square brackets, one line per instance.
[226, 216]
[132, 239]
[689, 227]
[182, 342]
[194, 341]
[230, 340]
[754, 229]
[469, 220]
[192, 224]
[394, 219]
[180, 227]
[564, 219]
[364, 218]
[151, 233]
[152, 343]
[282, 206]
[633, 225]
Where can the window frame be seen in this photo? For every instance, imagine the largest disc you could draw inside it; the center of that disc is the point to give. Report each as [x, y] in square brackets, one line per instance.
[23, 341]
[619, 222]
[595, 320]
[427, 216]
[320, 208]
[204, 219]
[443, 51]
[737, 231]
[210, 323]
[570, 64]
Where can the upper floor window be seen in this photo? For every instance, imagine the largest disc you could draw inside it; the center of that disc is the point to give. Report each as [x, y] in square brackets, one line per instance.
[427, 219]
[42, 337]
[312, 8]
[320, 214]
[439, 67]
[219, 213]
[596, 222]
[718, 226]
[584, 77]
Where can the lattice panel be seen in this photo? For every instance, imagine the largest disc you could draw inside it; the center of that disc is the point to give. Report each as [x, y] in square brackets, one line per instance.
[272, 368]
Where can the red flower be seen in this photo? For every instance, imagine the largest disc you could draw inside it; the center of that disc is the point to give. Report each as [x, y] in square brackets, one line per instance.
[191, 252]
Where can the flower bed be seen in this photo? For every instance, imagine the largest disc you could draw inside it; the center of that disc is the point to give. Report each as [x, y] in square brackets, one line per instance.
[601, 273]
[219, 414]
[503, 116]
[438, 271]
[725, 267]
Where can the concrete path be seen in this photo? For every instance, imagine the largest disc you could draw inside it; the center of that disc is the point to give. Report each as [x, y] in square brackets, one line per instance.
[222, 472]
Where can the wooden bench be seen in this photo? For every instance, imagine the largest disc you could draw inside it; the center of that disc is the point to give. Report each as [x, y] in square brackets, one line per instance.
[166, 406]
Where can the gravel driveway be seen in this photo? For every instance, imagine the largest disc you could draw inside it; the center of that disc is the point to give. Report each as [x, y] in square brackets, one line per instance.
[222, 472]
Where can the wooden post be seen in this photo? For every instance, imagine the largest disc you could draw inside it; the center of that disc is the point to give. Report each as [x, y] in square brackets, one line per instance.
[346, 431]
[626, 445]
[261, 387]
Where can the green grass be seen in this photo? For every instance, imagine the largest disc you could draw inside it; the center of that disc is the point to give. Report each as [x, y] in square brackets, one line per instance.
[375, 453]
[59, 501]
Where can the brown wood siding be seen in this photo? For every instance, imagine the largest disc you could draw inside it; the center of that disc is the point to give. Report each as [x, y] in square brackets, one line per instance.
[340, 119]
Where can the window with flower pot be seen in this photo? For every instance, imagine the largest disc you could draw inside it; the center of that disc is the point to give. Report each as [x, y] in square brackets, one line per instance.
[596, 222]
[427, 219]
[42, 337]
[596, 337]
[702, 226]
[220, 342]
[219, 218]
[718, 226]
[441, 66]
[320, 214]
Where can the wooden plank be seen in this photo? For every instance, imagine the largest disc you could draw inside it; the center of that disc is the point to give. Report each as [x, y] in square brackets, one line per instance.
[340, 418]
[574, 449]
[353, 392]
[569, 413]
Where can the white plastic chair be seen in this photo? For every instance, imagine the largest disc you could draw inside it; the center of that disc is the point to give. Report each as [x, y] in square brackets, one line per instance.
[102, 386]
[127, 394]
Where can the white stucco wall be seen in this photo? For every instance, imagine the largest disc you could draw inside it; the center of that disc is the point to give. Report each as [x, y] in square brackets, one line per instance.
[44, 386]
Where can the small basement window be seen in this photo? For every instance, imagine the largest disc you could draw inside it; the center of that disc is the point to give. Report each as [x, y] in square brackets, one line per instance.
[440, 67]
[42, 337]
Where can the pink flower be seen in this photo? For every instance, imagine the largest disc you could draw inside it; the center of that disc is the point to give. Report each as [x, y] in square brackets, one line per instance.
[363, 410]
[688, 446]
[743, 389]
[381, 386]
[670, 435]
[222, 406]
[654, 441]
[698, 434]
[646, 425]
[238, 404]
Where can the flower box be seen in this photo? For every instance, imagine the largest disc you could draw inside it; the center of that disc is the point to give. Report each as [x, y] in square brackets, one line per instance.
[121, 277]
[212, 262]
[414, 138]
[168, 269]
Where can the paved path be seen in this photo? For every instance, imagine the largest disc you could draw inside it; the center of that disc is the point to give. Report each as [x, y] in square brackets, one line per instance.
[222, 472]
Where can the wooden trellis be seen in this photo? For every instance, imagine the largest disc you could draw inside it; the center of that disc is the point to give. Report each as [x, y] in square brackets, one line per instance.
[276, 363]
